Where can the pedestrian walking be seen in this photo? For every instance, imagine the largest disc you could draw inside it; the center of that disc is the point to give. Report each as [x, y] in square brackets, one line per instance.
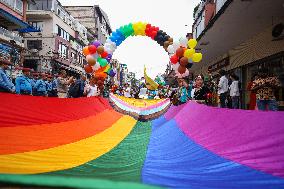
[6, 84]
[235, 91]
[223, 89]
[23, 83]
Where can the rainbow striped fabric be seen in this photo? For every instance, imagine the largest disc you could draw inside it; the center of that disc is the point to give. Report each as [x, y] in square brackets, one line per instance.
[85, 143]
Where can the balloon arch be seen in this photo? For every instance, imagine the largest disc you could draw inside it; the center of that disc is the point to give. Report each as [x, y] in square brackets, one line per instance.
[182, 53]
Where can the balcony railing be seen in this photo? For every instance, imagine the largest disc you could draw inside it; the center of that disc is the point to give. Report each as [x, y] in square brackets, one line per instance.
[16, 5]
[12, 36]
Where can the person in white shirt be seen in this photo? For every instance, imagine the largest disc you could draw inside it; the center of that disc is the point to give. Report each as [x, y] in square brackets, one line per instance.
[234, 91]
[223, 88]
[127, 91]
[91, 89]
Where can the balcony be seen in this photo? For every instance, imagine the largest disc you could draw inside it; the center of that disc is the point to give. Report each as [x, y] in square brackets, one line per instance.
[16, 5]
[11, 36]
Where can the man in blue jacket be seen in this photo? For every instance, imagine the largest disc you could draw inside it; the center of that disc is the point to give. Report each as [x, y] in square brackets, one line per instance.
[40, 88]
[23, 83]
[6, 84]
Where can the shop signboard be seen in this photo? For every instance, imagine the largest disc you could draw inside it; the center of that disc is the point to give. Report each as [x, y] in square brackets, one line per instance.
[219, 65]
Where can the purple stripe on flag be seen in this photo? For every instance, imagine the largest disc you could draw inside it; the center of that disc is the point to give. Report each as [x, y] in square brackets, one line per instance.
[252, 138]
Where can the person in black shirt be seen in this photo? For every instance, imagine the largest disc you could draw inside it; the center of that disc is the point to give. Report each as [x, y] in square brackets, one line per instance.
[201, 91]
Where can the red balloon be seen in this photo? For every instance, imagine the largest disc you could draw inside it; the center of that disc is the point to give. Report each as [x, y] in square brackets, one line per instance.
[154, 34]
[180, 52]
[104, 54]
[181, 69]
[183, 61]
[148, 26]
[92, 49]
[88, 69]
[174, 59]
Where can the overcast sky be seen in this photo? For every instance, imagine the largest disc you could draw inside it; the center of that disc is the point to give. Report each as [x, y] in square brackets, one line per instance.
[170, 15]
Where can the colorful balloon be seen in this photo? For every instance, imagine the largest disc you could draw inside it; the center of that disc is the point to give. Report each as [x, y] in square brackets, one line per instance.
[188, 53]
[96, 66]
[96, 43]
[91, 60]
[174, 59]
[181, 69]
[196, 57]
[183, 61]
[100, 49]
[103, 62]
[180, 52]
[192, 43]
[171, 49]
[88, 69]
[86, 51]
[92, 49]
[104, 54]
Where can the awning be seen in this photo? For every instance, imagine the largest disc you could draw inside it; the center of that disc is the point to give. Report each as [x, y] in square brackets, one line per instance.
[24, 27]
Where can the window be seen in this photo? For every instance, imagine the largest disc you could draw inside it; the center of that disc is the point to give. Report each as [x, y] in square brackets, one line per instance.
[62, 33]
[40, 5]
[37, 24]
[63, 50]
[34, 44]
[19, 5]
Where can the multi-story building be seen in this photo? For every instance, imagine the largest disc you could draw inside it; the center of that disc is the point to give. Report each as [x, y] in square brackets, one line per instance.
[94, 19]
[59, 43]
[240, 37]
[12, 25]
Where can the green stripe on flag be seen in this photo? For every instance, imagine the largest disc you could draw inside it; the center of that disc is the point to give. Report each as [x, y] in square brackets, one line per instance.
[68, 182]
[123, 163]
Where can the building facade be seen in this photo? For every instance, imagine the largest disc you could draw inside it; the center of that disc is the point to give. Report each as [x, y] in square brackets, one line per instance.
[12, 26]
[94, 19]
[239, 39]
[59, 43]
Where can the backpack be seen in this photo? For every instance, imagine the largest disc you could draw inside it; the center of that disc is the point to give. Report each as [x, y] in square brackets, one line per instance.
[74, 90]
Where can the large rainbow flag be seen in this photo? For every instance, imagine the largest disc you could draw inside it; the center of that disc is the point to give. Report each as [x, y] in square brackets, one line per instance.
[85, 143]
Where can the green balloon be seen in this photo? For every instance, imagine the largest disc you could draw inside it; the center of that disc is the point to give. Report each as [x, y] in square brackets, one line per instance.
[99, 59]
[103, 62]
[130, 29]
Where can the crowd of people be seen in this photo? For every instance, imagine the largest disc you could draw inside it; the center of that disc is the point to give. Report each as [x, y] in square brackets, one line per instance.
[225, 93]
[47, 85]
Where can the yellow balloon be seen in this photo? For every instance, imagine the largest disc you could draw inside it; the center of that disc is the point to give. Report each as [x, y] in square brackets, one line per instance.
[188, 53]
[136, 28]
[192, 43]
[139, 28]
[196, 57]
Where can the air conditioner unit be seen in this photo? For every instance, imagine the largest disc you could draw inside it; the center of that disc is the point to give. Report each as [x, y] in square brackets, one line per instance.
[278, 32]
[34, 51]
